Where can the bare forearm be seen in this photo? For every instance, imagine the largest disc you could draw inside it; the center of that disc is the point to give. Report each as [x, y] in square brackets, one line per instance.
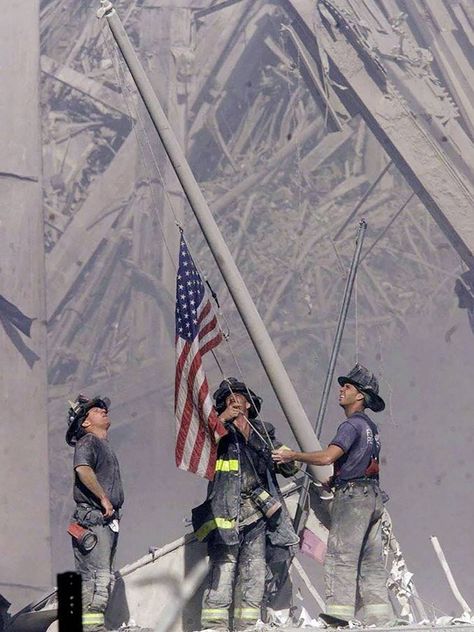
[319, 457]
[312, 458]
[88, 478]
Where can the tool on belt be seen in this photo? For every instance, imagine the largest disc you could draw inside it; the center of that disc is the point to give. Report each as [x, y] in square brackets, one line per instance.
[86, 539]
[265, 502]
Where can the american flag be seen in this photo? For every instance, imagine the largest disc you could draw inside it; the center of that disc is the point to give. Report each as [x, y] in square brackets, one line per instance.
[197, 427]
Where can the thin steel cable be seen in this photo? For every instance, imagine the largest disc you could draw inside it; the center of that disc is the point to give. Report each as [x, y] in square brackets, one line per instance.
[326, 234]
[389, 224]
[356, 308]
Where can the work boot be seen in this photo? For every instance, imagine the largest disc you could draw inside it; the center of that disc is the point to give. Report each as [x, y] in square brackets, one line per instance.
[333, 622]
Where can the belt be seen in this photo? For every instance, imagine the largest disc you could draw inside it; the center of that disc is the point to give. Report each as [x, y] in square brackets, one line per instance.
[117, 512]
[363, 480]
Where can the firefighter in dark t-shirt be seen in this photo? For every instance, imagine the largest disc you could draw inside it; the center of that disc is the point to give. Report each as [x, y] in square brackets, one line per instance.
[98, 495]
[355, 576]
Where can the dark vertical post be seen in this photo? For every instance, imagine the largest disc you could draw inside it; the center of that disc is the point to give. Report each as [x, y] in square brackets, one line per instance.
[70, 602]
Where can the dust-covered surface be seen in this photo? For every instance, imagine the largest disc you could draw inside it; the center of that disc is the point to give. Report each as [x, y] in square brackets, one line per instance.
[284, 157]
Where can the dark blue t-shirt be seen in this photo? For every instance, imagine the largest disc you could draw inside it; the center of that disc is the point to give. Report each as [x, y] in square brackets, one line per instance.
[356, 438]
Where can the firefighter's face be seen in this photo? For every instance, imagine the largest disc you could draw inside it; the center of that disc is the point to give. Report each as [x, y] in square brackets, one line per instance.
[348, 395]
[97, 418]
[239, 401]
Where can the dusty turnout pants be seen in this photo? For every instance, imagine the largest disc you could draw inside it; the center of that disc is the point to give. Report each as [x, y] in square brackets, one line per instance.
[236, 576]
[355, 575]
[96, 569]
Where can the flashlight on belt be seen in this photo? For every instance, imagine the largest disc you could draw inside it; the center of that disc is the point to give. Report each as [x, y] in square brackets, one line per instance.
[268, 504]
[86, 539]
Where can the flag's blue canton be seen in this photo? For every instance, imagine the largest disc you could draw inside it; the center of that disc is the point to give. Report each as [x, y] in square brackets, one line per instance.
[189, 294]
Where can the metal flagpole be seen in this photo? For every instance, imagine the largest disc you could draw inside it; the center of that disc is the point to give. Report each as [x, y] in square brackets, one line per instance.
[332, 362]
[262, 342]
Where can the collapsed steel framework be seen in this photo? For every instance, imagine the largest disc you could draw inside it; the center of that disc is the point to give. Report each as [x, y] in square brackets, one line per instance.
[296, 117]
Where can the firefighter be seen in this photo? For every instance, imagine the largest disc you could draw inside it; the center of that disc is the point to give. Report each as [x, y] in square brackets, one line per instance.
[98, 495]
[355, 576]
[244, 511]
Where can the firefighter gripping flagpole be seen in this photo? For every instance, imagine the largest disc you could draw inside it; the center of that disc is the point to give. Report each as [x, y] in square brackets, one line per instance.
[332, 362]
[262, 342]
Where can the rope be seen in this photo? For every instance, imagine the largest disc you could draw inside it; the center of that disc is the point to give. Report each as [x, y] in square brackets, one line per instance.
[119, 68]
[268, 442]
[123, 83]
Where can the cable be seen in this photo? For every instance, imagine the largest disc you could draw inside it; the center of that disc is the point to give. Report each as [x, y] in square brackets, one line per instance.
[356, 307]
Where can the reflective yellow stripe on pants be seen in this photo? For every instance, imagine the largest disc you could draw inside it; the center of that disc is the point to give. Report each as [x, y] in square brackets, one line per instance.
[92, 618]
[376, 613]
[214, 615]
[247, 614]
[340, 611]
[377, 608]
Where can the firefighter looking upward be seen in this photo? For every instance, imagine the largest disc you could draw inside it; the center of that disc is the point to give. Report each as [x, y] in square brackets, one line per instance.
[244, 512]
[355, 577]
[98, 494]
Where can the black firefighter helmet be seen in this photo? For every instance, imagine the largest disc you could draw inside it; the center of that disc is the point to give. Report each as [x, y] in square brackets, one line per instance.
[232, 385]
[78, 412]
[367, 384]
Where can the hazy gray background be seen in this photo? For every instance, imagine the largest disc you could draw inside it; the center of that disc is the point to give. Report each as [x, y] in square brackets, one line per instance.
[238, 94]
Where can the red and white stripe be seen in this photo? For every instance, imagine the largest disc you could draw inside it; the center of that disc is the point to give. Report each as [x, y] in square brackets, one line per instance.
[198, 429]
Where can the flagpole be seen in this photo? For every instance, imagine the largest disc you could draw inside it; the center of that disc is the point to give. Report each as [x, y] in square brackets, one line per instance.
[276, 372]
